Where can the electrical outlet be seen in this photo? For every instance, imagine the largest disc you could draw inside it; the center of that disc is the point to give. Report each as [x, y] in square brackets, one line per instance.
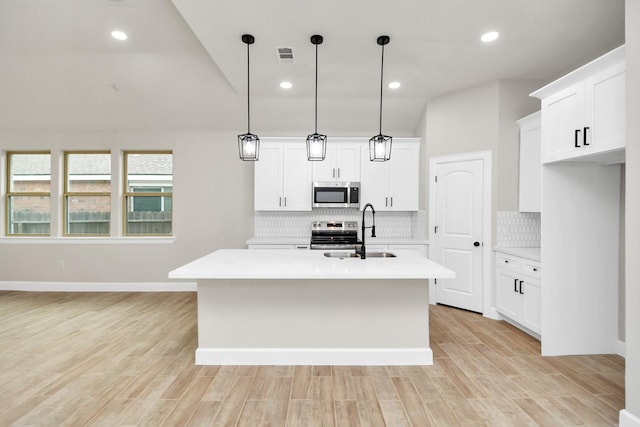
[61, 264]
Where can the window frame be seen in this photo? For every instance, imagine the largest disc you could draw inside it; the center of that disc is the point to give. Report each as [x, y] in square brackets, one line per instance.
[9, 193]
[66, 193]
[126, 194]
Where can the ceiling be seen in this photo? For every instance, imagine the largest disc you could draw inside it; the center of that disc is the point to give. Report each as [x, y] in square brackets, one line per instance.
[184, 65]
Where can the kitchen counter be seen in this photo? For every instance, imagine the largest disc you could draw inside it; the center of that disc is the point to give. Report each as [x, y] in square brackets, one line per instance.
[305, 241]
[296, 264]
[528, 253]
[292, 307]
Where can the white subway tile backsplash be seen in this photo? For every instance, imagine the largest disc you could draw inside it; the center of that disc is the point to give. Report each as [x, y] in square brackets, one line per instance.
[517, 229]
[298, 224]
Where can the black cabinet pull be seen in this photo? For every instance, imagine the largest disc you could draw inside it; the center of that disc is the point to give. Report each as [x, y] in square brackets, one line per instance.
[520, 291]
[515, 285]
[476, 244]
[575, 138]
[506, 261]
[584, 136]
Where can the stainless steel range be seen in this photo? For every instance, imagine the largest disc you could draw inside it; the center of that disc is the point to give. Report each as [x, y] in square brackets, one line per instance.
[329, 235]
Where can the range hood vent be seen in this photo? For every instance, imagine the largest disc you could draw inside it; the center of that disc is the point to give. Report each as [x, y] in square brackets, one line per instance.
[285, 55]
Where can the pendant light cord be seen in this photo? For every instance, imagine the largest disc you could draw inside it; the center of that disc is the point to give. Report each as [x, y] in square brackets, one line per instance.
[316, 113]
[381, 85]
[248, 92]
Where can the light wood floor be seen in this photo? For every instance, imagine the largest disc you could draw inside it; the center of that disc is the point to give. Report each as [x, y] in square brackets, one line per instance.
[114, 359]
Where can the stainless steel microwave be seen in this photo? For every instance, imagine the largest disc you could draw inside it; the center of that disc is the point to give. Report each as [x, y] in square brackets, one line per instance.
[336, 195]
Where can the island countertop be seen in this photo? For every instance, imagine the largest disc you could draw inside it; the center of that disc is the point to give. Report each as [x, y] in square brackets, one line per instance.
[299, 264]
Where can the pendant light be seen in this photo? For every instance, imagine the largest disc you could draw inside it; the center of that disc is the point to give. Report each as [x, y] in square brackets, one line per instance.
[380, 145]
[316, 143]
[248, 143]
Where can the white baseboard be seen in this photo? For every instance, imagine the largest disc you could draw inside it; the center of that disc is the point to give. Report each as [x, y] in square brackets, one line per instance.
[627, 419]
[314, 356]
[621, 349]
[491, 313]
[98, 286]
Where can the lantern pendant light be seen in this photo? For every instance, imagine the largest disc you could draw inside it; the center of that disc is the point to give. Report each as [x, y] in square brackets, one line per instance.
[316, 143]
[248, 143]
[380, 145]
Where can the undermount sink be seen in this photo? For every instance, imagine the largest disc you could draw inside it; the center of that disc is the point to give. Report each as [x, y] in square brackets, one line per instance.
[353, 255]
[380, 255]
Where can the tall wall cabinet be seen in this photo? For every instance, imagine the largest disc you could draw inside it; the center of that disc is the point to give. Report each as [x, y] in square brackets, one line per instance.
[583, 116]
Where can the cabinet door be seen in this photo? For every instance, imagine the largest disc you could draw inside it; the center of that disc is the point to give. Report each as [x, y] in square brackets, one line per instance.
[325, 170]
[267, 195]
[348, 162]
[403, 178]
[297, 178]
[374, 185]
[532, 306]
[509, 301]
[562, 124]
[530, 185]
[605, 112]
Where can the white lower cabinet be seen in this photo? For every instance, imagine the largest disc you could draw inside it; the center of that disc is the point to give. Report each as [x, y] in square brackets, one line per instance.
[518, 291]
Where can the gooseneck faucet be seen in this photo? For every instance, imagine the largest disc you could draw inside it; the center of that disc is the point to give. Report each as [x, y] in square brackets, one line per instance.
[363, 250]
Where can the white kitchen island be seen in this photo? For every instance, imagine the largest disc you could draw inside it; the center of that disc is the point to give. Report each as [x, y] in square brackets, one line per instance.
[295, 307]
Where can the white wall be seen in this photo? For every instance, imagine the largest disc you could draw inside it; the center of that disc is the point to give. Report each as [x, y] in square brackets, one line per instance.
[213, 208]
[632, 240]
[477, 119]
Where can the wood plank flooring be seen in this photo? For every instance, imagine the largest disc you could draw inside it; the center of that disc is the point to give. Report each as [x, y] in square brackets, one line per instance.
[114, 359]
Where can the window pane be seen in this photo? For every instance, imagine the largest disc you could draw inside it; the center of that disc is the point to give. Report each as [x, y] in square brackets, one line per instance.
[88, 214]
[146, 222]
[29, 173]
[29, 215]
[88, 173]
[149, 170]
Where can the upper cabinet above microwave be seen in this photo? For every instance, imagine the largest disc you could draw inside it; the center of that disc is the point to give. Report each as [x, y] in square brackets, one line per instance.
[584, 114]
[341, 164]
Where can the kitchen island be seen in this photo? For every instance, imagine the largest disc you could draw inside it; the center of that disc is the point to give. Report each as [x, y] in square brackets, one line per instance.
[295, 307]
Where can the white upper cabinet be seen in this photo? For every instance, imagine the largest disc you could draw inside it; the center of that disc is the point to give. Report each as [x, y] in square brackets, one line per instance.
[530, 184]
[392, 185]
[583, 113]
[342, 163]
[282, 177]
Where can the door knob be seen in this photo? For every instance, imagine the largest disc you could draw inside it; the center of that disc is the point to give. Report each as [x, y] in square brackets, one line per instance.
[476, 244]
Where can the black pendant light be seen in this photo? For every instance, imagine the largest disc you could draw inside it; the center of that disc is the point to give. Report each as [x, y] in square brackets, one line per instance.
[380, 145]
[316, 143]
[248, 143]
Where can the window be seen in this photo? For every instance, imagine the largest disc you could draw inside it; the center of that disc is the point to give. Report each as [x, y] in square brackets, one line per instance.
[28, 193]
[87, 193]
[148, 193]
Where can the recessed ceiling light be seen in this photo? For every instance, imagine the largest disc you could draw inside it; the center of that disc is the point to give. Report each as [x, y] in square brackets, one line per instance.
[119, 35]
[490, 36]
[286, 85]
[394, 85]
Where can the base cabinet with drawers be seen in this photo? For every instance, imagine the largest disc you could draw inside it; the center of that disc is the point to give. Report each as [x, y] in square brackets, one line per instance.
[518, 291]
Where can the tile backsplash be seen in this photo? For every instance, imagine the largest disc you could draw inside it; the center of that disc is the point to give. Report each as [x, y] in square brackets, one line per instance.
[518, 229]
[298, 224]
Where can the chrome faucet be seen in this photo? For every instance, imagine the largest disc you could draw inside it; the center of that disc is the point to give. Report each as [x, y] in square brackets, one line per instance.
[363, 250]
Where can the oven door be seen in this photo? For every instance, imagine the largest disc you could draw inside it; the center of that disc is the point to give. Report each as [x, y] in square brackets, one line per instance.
[326, 196]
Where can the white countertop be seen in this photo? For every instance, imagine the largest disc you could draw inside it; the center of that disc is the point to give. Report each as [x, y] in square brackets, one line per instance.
[293, 240]
[297, 264]
[528, 253]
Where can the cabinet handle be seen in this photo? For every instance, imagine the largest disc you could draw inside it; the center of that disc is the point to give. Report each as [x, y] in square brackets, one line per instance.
[285, 201]
[584, 136]
[575, 138]
[338, 172]
[386, 201]
[280, 201]
[520, 291]
[333, 172]
[535, 269]
[515, 285]
[506, 261]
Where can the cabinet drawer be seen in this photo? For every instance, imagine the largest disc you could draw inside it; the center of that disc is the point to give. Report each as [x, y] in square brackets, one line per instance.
[508, 262]
[531, 269]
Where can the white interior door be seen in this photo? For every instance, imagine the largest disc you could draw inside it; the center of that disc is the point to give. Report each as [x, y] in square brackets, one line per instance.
[458, 232]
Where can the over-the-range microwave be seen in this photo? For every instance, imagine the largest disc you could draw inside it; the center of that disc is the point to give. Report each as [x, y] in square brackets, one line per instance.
[336, 195]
